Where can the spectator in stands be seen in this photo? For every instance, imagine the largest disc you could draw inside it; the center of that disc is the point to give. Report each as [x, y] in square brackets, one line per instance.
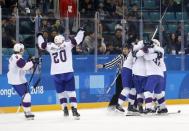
[178, 45]
[45, 25]
[133, 19]
[53, 33]
[13, 10]
[59, 26]
[110, 7]
[68, 8]
[110, 49]
[121, 9]
[24, 6]
[87, 8]
[88, 44]
[102, 13]
[10, 31]
[77, 50]
[117, 41]
[6, 39]
[48, 5]
[101, 46]
[172, 44]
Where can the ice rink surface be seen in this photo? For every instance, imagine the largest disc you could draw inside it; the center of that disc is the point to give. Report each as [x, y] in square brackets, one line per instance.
[97, 120]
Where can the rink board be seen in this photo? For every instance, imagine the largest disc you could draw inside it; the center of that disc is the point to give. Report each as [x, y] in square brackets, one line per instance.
[90, 86]
[80, 106]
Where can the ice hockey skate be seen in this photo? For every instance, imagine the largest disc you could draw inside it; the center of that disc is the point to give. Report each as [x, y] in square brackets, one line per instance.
[119, 109]
[66, 112]
[29, 115]
[75, 114]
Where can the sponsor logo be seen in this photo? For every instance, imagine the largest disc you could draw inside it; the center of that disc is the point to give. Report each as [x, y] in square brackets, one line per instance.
[7, 92]
[37, 90]
[11, 92]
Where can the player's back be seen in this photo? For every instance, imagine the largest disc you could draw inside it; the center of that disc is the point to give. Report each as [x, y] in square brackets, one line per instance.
[15, 74]
[61, 57]
[139, 64]
[153, 66]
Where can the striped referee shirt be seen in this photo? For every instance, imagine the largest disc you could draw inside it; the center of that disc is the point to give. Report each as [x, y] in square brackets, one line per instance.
[117, 61]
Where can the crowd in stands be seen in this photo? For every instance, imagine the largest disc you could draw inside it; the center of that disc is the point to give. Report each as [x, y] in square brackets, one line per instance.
[111, 12]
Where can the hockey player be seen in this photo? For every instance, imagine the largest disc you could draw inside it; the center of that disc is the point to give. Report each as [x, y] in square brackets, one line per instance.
[127, 82]
[155, 78]
[16, 77]
[139, 72]
[161, 97]
[62, 69]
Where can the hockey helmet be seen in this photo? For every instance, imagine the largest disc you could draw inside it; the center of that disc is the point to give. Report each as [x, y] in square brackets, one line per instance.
[59, 39]
[18, 47]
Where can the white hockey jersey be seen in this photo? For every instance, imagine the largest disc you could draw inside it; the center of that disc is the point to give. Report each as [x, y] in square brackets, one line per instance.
[153, 65]
[128, 63]
[139, 64]
[61, 56]
[17, 70]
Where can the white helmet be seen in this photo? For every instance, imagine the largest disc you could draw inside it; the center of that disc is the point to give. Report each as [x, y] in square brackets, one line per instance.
[59, 39]
[18, 47]
[156, 42]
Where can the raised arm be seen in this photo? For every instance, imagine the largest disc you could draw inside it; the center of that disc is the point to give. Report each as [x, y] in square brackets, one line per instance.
[41, 42]
[78, 38]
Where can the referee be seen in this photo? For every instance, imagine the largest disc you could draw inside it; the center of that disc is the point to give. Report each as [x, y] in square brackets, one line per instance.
[117, 61]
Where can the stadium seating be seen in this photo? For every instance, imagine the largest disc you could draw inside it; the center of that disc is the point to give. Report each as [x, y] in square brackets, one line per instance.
[149, 4]
[154, 16]
[179, 16]
[170, 16]
[172, 27]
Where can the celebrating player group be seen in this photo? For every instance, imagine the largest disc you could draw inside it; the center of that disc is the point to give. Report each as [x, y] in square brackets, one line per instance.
[143, 75]
[144, 79]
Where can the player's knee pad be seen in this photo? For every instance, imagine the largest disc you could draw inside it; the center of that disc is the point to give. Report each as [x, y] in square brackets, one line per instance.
[27, 98]
[148, 94]
[163, 93]
[159, 96]
[125, 91]
[62, 95]
[71, 93]
[132, 91]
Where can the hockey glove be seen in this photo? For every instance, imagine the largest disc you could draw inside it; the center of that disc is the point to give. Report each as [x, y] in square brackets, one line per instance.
[145, 49]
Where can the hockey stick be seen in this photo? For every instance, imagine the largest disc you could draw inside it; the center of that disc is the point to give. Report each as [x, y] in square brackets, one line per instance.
[160, 21]
[105, 95]
[156, 114]
[113, 82]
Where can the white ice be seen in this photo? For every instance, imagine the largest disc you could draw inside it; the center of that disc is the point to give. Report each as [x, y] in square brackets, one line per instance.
[97, 120]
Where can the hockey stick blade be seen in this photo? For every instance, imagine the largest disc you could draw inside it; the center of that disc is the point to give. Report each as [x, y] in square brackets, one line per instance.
[155, 114]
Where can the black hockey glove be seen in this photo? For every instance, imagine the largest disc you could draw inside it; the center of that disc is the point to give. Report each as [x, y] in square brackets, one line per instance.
[35, 60]
[145, 49]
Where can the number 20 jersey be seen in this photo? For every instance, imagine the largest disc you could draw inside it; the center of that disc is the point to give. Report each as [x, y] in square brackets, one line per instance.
[61, 57]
